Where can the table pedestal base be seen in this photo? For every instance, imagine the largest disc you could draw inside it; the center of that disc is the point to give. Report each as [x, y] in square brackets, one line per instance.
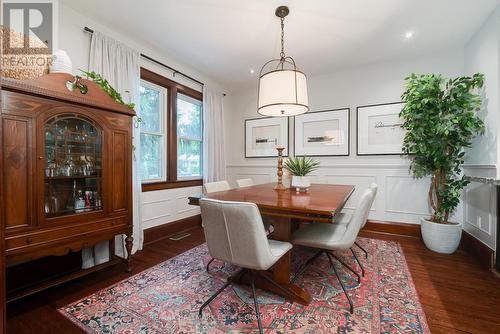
[283, 228]
[289, 291]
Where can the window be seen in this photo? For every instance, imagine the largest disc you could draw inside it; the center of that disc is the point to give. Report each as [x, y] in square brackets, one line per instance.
[153, 138]
[171, 133]
[189, 137]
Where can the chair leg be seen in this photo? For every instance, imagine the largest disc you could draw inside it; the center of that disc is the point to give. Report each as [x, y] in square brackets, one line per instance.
[364, 250]
[257, 311]
[346, 265]
[213, 297]
[209, 262]
[306, 265]
[351, 307]
[359, 263]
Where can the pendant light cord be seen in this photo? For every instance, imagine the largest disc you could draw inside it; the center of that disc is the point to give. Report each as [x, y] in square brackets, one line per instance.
[282, 53]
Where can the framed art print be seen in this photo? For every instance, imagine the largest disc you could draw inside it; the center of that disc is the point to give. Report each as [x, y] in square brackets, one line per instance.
[322, 133]
[379, 129]
[264, 135]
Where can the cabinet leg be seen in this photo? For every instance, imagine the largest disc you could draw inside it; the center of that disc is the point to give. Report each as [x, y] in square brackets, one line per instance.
[129, 240]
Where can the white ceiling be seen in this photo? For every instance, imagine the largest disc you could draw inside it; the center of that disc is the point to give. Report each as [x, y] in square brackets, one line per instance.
[226, 38]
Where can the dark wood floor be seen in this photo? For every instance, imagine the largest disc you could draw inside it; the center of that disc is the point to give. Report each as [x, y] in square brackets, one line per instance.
[458, 295]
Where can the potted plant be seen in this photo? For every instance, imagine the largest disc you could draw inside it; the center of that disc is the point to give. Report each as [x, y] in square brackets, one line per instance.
[299, 168]
[440, 119]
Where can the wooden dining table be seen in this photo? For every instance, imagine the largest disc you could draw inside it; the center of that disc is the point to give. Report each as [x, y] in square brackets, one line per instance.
[285, 210]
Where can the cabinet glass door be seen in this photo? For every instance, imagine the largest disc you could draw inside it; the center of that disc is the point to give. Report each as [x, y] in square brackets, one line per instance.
[73, 166]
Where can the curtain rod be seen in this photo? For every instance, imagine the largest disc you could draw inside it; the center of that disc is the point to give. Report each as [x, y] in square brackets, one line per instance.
[87, 29]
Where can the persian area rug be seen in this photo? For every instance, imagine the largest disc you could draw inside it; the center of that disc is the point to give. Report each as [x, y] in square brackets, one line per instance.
[166, 298]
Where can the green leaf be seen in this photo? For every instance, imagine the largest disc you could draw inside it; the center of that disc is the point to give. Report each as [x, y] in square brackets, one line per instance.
[104, 84]
[440, 119]
[300, 166]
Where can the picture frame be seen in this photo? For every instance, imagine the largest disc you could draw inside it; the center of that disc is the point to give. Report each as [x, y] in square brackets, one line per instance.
[264, 135]
[379, 129]
[322, 133]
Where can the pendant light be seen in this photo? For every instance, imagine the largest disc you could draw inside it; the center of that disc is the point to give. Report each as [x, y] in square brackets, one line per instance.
[282, 87]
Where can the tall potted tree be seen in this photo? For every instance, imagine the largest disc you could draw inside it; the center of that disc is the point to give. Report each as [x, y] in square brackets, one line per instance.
[440, 119]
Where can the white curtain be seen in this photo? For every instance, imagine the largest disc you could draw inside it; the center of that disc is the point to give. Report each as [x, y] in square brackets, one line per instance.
[214, 158]
[119, 64]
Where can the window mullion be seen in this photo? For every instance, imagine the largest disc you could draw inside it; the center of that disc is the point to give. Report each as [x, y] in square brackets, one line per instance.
[174, 95]
[172, 135]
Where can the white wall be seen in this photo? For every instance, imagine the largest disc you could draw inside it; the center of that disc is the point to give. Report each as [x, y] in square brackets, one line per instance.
[400, 197]
[482, 54]
[158, 207]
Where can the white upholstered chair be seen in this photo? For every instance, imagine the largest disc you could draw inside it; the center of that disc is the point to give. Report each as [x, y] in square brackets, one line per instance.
[242, 183]
[345, 218]
[213, 187]
[235, 234]
[331, 237]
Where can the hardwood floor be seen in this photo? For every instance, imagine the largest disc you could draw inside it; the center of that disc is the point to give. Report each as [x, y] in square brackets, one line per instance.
[457, 293]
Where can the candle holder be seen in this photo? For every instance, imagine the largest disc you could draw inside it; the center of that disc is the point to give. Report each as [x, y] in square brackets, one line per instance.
[279, 185]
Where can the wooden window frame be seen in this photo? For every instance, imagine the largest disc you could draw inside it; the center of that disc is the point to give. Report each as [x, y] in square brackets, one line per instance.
[161, 133]
[173, 88]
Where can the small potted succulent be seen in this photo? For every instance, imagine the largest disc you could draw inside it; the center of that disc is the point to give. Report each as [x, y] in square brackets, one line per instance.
[300, 167]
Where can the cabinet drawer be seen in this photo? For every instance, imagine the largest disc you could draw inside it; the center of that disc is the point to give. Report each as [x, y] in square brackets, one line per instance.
[65, 234]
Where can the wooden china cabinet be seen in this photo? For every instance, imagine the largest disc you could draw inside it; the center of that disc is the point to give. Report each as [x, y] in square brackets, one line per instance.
[66, 154]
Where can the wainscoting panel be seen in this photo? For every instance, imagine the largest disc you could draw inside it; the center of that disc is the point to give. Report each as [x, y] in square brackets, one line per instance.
[165, 206]
[480, 207]
[400, 190]
[359, 181]
[257, 177]
[400, 198]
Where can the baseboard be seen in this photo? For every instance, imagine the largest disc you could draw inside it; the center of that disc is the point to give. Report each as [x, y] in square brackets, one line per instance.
[164, 231]
[468, 243]
[483, 253]
[392, 228]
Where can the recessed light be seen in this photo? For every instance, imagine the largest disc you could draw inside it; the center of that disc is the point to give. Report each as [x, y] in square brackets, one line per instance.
[252, 71]
[409, 34]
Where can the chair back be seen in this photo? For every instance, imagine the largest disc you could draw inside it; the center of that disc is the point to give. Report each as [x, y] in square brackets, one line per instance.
[374, 188]
[358, 218]
[234, 233]
[213, 187]
[242, 183]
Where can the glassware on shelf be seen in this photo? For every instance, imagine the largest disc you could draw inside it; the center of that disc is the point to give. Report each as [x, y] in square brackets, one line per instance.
[88, 199]
[69, 167]
[79, 202]
[73, 149]
[47, 204]
[51, 166]
[70, 205]
[97, 200]
[55, 203]
[86, 165]
[51, 169]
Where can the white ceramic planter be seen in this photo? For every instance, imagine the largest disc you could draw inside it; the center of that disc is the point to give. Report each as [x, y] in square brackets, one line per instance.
[300, 183]
[441, 238]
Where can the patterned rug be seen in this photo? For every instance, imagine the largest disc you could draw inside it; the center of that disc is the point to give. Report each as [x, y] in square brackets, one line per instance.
[166, 299]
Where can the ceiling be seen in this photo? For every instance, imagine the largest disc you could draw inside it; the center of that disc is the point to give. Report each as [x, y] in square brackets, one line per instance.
[225, 39]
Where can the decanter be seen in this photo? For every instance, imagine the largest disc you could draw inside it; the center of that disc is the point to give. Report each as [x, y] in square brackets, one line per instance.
[80, 202]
